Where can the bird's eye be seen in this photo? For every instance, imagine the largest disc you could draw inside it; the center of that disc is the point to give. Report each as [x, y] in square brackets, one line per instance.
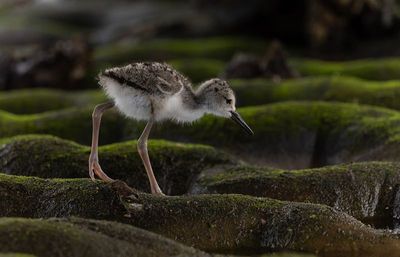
[228, 101]
[215, 89]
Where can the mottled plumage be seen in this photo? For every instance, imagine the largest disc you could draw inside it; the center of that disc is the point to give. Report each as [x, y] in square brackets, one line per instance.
[153, 92]
[140, 90]
[152, 77]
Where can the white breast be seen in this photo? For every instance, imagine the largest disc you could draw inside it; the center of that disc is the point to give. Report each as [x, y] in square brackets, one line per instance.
[131, 102]
[173, 109]
[136, 104]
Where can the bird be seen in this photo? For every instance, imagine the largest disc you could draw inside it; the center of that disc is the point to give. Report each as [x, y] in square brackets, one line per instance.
[154, 92]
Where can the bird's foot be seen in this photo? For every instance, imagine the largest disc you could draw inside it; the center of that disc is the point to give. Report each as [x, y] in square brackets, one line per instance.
[156, 190]
[95, 168]
[158, 193]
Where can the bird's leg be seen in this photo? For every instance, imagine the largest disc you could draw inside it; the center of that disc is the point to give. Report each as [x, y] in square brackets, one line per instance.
[94, 166]
[142, 149]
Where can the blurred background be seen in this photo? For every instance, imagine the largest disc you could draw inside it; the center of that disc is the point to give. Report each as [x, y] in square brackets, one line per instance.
[65, 43]
[317, 80]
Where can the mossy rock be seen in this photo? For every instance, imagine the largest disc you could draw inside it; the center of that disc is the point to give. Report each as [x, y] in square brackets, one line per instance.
[298, 134]
[248, 92]
[218, 223]
[71, 123]
[325, 88]
[164, 49]
[81, 237]
[175, 164]
[40, 198]
[287, 135]
[367, 191]
[31, 101]
[372, 69]
[198, 69]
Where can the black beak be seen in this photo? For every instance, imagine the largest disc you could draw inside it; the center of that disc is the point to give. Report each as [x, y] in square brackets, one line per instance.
[236, 118]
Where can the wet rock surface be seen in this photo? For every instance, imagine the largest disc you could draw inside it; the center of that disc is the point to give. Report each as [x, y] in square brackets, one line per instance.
[288, 135]
[273, 64]
[212, 55]
[70, 123]
[34, 101]
[299, 134]
[248, 93]
[367, 191]
[252, 224]
[372, 69]
[95, 238]
[326, 88]
[62, 65]
[176, 165]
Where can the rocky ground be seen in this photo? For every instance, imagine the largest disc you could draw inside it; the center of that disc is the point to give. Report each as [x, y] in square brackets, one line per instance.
[320, 177]
[234, 194]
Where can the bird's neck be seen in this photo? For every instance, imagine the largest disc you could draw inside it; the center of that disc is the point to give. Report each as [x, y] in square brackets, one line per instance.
[195, 101]
[200, 98]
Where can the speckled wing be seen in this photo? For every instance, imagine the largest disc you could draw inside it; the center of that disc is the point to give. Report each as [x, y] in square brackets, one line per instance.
[168, 80]
[151, 77]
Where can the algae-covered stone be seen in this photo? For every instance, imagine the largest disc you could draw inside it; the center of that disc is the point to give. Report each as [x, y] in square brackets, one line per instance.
[326, 88]
[257, 223]
[75, 237]
[287, 135]
[366, 191]
[30, 101]
[223, 223]
[298, 134]
[198, 69]
[373, 69]
[39, 198]
[175, 164]
[248, 92]
[163, 49]
[72, 123]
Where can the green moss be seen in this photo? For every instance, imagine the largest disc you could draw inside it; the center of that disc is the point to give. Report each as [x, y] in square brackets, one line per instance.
[373, 69]
[249, 224]
[71, 123]
[218, 223]
[198, 69]
[34, 197]
[248, 92]
[297, 134]
[95, 238]
[363, 190]
[163, 49]
[287, 134]
[175, 164]
[30, 101]
[200, 60]
[328, 88]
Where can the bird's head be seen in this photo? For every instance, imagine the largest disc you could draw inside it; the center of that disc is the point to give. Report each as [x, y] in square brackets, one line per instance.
[220, 100]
